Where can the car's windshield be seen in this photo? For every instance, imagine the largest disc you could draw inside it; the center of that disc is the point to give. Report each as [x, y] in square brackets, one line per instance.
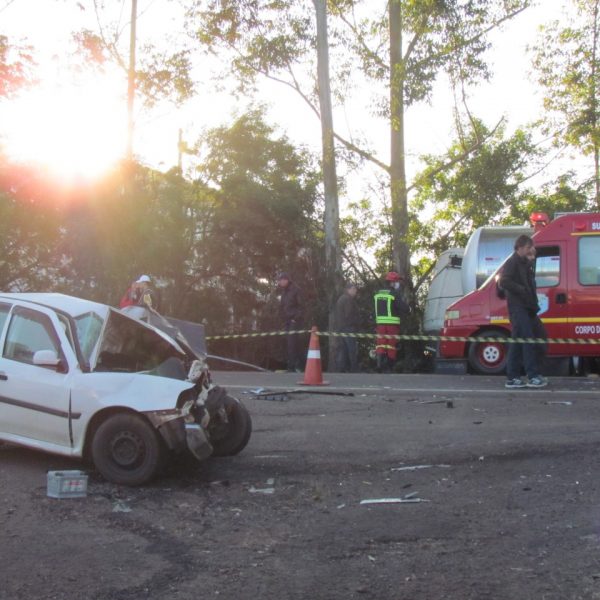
[129, 345]
[89, 326]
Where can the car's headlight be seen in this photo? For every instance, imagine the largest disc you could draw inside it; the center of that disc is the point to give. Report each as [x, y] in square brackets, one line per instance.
[451, 315]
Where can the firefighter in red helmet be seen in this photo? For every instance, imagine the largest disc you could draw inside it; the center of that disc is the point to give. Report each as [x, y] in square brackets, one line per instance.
[389, 306]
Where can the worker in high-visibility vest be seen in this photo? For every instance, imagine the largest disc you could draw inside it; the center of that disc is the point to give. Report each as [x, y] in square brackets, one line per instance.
[389, 306]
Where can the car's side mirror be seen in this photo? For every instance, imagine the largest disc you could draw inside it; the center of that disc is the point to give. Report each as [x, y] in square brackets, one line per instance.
[48, 358]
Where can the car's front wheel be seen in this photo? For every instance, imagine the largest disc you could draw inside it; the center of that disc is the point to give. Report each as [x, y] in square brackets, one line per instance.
[127, 450]
[230, 432]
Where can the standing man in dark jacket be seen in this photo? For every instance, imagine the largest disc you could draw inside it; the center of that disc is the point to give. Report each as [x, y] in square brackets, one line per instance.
[518, 282]
[290, 313]
[347, 320]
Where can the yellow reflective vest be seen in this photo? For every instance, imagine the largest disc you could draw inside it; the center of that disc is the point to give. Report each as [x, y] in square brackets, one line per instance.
[384, 308]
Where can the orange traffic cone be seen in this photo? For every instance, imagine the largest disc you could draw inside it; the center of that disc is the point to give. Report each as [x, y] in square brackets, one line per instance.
[312, 372]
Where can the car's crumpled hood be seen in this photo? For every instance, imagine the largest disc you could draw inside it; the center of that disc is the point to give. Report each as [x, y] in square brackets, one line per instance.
[137, 391]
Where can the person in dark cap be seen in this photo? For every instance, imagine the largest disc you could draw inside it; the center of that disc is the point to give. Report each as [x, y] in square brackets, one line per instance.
[347, 320]
[291, 313]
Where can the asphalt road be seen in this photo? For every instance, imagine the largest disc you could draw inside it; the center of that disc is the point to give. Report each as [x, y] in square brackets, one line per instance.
[472, 491]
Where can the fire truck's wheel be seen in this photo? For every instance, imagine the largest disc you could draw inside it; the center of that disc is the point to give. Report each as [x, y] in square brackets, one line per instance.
[488, 358]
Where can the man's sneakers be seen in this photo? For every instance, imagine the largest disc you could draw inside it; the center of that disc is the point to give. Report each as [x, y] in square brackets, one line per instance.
[515, 383]
[535, 382]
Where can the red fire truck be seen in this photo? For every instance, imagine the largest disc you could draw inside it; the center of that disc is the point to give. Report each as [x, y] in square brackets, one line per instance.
[568, 286]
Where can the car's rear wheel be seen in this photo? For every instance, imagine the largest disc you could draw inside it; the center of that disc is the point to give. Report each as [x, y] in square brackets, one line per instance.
[229, 436]
[126, 450]
[488, 358]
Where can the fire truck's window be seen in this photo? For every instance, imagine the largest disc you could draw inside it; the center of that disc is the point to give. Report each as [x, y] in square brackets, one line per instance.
[547, 266]
[589, 260]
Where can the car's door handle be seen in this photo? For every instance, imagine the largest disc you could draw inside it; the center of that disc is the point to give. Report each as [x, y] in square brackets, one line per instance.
[3, 376]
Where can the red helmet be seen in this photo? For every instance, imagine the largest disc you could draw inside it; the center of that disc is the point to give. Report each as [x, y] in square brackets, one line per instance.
[393, 276]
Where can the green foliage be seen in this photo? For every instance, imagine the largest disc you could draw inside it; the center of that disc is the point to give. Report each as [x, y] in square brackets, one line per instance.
[264, 213]
[483, 188]
[164, 74]
[15, 64]
[29, 231]
[212, 246]
[567, 63]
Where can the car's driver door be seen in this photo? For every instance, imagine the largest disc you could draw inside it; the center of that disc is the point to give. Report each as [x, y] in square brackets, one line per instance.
[34, 398]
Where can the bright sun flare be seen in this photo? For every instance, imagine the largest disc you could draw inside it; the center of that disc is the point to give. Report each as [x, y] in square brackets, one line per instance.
[74, 132]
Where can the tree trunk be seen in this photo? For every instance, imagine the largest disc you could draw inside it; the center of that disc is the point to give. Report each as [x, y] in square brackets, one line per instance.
[594, 109]
[332, 233]
[398, 192]
[131, 80]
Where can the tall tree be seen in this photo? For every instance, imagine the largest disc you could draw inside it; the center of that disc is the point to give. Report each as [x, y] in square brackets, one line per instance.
[333, 262]
[401, 50]
[567, 61]
[154, 71]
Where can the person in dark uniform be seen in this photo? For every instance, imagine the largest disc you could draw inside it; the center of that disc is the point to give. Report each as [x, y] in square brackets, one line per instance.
[347, 320]
[291, 313]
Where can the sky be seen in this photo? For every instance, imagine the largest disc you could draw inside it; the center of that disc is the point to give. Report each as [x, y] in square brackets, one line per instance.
[79, 123]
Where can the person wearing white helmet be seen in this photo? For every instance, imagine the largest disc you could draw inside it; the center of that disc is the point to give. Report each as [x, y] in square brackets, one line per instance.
[139, 293]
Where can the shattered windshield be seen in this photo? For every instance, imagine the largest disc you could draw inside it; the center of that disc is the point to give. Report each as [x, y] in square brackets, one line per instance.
[89, 326]
[128, 345]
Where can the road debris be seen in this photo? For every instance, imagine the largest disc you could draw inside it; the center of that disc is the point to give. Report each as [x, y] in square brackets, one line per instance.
[121, 507]
[393, 500]
[284, 395]
[267, 490]
[66, 484]
[417, 467]
[565, 402]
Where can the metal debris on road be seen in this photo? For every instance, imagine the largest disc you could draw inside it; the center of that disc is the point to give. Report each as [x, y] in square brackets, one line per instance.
[393, 500]
[121, 507]
[565, 402]
[253, 490]
[268, 490]
[283, 395]
[417, 467]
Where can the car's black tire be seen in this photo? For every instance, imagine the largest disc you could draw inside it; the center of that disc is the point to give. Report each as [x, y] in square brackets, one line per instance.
[231, 437]
[488, 358]
[127, 450]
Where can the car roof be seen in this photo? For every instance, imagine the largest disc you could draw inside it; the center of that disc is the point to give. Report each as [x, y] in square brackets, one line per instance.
[69, 304]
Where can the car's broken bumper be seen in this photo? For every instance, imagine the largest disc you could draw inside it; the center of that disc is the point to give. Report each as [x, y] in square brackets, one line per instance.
[179, 435]
[197, 442]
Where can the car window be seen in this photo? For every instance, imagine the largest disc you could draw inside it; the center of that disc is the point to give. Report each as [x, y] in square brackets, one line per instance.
[589, 260]
[89, 327]
[28, 332]
[4, 310]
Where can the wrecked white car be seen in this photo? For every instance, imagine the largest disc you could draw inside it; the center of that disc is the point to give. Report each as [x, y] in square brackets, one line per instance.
[83, 379]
